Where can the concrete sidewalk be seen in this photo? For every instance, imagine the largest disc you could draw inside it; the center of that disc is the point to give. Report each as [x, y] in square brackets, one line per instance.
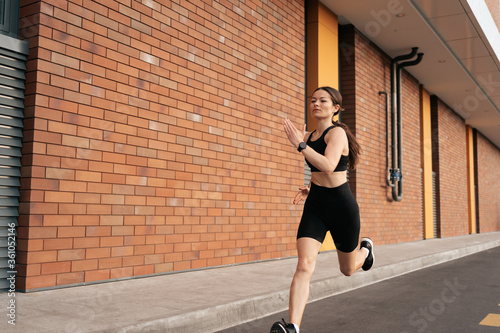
[214, 299]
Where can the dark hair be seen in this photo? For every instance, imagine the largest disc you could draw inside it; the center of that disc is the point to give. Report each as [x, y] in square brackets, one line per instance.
[354, 147]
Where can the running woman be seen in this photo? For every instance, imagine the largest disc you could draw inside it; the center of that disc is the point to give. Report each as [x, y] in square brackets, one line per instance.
[329, 203]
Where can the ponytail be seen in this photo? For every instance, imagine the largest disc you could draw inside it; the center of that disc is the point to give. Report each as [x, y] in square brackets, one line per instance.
[354, 147]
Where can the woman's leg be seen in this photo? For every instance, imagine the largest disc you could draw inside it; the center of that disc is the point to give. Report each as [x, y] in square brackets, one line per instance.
[352, 261]
[307, 249]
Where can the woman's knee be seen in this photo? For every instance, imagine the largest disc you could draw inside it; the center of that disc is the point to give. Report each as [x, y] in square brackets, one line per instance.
[347, 262]
[347, 270]
[305, 266]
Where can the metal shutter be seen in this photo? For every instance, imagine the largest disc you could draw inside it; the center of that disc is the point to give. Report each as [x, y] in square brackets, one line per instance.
[434, 205]
[13, 53]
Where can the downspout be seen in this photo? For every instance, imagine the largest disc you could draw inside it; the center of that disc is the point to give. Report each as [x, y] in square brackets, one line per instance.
[388, 176]
[397, 194]
[394, 174]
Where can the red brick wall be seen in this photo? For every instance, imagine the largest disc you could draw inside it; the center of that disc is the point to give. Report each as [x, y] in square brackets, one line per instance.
[382, 218]
[488, 186]
[153, 138]
[450, 165]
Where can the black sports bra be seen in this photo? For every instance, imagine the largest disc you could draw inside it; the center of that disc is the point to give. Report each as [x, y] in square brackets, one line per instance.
[319, 146]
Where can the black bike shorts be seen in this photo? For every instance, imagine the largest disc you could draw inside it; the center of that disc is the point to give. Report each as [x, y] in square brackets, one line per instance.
[331, 209]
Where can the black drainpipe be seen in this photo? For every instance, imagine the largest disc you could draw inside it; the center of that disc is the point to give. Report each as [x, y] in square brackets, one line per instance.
[388, 176]
[395, 173]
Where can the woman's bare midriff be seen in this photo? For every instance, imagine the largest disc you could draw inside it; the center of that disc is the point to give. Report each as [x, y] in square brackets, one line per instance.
[332, 180]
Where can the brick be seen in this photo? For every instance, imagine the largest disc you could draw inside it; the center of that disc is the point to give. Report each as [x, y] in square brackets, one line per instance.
[99, 188]
[57, 173]
[97, 275]
[63, 82]
[133, 261]
[57, 244]
[111, 241]
[41, 257]
[117, 273]
[122, 251]
[144, 270]
[64, 60]
[122, 231]
[74, 141]
[134, 240]
[67, 208]
[99, 209]
[42, 232]
[70, 278]
[72, 186]
[87, 242]
[80, 33]
[69, 255]
[41, 281]
[110, 263]
[57, 220]
[58, 197]
[70, 232]
[54, 268]
[88, 176]
[87, 198]
[84, 265]
[134, 220]
[98, 253]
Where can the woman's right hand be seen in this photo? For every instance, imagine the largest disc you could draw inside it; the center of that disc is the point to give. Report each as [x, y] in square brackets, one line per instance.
[301, 196]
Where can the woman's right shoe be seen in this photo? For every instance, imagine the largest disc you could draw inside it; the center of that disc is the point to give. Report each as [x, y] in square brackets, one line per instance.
[368, 244]
[282, 327]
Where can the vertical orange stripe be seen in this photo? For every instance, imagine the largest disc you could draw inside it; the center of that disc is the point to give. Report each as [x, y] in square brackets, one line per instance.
[426, 137]
[322, 50]
[470, 180]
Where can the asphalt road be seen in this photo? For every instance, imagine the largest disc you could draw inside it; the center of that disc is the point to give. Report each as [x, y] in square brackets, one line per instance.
[452, 297]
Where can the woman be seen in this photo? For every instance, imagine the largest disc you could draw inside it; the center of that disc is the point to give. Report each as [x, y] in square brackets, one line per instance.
[329, 203]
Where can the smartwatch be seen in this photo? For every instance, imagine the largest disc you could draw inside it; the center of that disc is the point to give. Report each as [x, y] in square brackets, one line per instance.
[301, 146]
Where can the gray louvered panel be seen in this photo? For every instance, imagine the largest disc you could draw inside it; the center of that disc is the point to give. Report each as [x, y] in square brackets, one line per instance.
[434, 203]
[9, 121]
[6, 220]
[10, 161]
[9, 181]
[11, 73]
[10, 82]
[13, 102]
[10, 111]
[11, 131]
[12, 61]
[12, 142]
[8, 91]
[9, 191]
[13, 53]
[9, 211]
[9, 201]
[15, 172]
[14, 152]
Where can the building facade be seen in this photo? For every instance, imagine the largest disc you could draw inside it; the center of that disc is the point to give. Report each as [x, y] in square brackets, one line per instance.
[152, 136]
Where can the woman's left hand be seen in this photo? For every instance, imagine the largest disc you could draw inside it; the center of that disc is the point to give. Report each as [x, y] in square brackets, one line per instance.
[294, 135]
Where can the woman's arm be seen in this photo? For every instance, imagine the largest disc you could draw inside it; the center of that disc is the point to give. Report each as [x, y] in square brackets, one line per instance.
[335, 140]
[301, 196]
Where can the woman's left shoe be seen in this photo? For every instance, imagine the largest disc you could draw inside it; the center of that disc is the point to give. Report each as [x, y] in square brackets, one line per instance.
[282, 327]
[368, 244]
